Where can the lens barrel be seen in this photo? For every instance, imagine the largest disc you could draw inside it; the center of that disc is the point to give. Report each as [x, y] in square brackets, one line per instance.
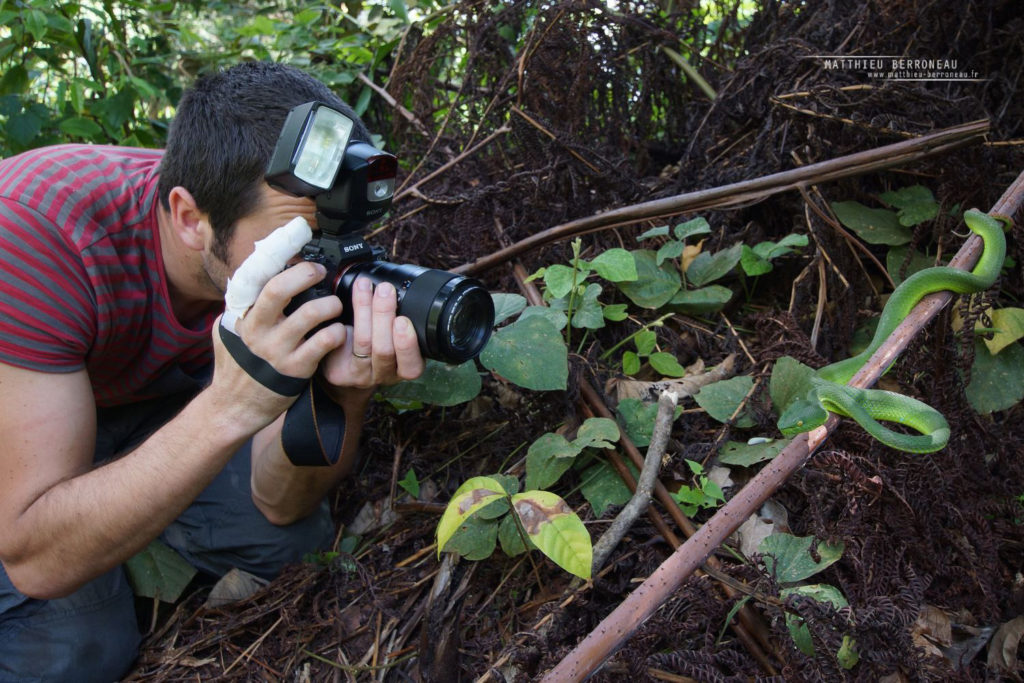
[453, 315]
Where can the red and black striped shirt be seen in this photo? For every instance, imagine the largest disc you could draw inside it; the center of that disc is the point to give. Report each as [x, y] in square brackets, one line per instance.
[82, 282]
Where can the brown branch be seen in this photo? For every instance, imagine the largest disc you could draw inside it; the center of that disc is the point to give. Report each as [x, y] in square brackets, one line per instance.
[624, 621]
[746, 191]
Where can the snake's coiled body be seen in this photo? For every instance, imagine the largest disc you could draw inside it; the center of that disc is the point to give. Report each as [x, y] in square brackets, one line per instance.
[829, 391]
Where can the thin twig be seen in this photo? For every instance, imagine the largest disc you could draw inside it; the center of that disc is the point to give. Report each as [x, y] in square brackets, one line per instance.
[667, 403]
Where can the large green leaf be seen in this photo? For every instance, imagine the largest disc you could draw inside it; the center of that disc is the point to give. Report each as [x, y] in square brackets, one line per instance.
[655, 285]
[916, 204]
[789, 557]
[894, 262]
[1009, 327]
[556, 530]
[997, 381]
[721, 399]
[615, 265]
[701, 301]
[440, 384]
[874, 226]
[507, 305]
[694, 226]
[157, 571]
[559, 280]
[602, 486]
[530, 353]
[471, 497]
[597, 432]
[707, 267]
[790, 382]
[547, 460]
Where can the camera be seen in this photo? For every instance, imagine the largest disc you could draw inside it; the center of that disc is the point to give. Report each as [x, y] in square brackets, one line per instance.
[353, 184]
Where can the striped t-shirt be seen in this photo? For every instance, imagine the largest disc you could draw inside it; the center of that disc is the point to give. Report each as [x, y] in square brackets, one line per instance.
[82, 282]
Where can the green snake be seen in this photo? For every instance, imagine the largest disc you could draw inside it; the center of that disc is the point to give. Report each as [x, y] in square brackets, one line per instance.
[829, 391]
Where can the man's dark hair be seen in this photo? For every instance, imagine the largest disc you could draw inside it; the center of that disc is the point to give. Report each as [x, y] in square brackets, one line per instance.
[224, 132]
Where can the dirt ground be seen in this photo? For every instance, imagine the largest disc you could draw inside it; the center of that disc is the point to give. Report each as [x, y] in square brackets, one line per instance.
[591, 115]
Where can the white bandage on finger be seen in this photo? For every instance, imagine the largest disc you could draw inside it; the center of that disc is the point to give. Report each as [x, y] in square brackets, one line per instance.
[268, 258]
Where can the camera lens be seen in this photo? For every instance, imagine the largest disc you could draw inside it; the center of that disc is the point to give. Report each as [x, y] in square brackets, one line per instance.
[453, 315]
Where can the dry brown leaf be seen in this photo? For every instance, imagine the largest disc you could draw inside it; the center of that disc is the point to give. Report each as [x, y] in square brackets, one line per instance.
[1002, 651]
[690, 252]
[933, 630]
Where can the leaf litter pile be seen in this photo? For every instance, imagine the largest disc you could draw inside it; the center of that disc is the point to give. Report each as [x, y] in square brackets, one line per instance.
[564, 111]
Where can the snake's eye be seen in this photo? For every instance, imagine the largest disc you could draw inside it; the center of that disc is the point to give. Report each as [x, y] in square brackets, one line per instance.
[799, 423]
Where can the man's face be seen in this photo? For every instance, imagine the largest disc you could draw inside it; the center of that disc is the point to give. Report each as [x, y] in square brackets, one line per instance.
[274, 210]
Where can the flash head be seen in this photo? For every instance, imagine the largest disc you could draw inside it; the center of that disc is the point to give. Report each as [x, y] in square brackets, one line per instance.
[310, 149]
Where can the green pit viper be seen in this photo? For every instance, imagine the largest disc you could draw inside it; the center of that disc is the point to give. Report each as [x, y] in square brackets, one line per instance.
[829, 391]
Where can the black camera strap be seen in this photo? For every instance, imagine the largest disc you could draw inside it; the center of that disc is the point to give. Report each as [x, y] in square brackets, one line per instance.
[259, 369]
[314, 429]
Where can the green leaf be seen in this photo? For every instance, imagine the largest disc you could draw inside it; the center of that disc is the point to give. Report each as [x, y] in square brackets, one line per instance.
[666, 364]
[475, 539]
[1009, 327]
[916, 204]
[894, 261]
[410, 483]
[655, 285]
[603, 487]
[511, 538]
[597, 432]
[789, 557]
[874, 226]
[531, 353]
[615, 265]
[745, 455]
[753, 263]
[847, 654]
[15, 80]
[440, 384]
[559, 280]
[80, 127]
[23, 128]
[554, 316]
[35, 23]
[589, 314]
[473, 495]
[547, 460]
[157, 571]
[660, 231]
[822, 592]
[707, 268]
[615, 312]
[700, 301]
[772, 250]
[790, 381]
[638, 420]
[694, 226]
[630, 363]
[646, 341]
[721, 399]
[669, 250]
[556, 530]
[997, 381]
[506, 306]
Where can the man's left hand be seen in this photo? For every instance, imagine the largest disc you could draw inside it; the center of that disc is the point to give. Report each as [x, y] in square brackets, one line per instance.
[380, 347]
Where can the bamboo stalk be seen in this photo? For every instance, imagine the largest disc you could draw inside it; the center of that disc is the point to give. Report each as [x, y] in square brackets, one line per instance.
[746, 191]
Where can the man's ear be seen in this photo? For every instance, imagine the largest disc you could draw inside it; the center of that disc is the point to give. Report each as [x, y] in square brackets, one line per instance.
[190, 223]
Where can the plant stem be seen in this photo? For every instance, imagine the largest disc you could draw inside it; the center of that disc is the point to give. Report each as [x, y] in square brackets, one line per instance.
[657, 323]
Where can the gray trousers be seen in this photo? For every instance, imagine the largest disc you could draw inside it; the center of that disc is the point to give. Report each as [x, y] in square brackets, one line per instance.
[92, 634]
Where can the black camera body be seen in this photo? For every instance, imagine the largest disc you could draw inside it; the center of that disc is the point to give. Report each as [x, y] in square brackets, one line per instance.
[353, 184]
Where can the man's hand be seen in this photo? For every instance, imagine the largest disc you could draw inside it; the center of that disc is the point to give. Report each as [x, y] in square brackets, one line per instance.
[280, 340]
[380, 347]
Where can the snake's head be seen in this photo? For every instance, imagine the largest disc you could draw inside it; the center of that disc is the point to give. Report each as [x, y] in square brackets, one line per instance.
[802, 416]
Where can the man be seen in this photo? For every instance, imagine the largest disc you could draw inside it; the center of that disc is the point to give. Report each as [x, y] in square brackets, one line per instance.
[114, 266]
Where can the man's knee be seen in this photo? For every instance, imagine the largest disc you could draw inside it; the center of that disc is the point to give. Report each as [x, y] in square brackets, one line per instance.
[248, 541]
[90, 635]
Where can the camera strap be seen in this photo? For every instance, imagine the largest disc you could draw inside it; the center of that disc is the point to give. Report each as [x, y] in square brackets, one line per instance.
[259, 369]
[314, 429]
